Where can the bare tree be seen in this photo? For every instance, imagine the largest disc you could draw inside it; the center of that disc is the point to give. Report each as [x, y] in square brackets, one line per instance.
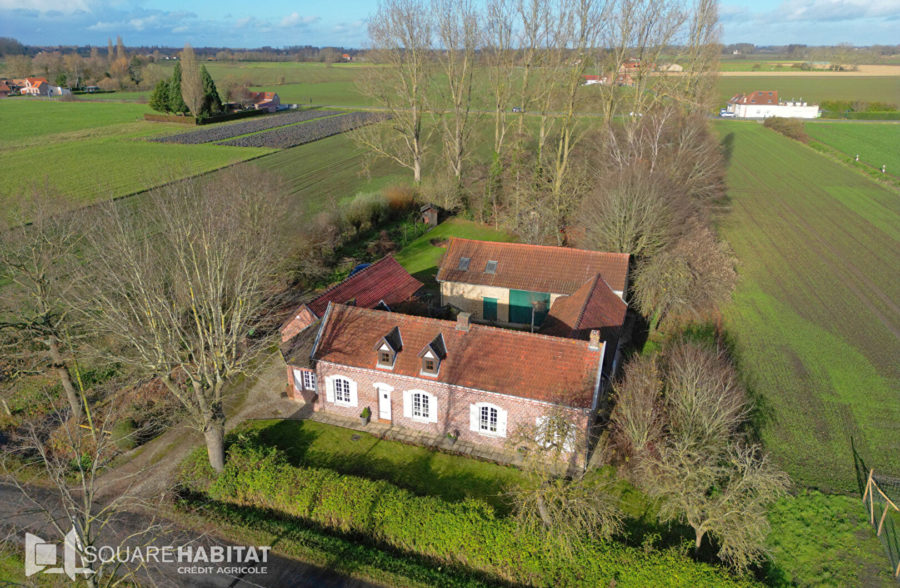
[691, 278]
[191, 81]
[183, 283]
[558, 497]
[638, 419]
[458, 33]
[36, 258]
[724, 494]
[500, 61]
[705, 402]
[401, 32]
[72, 457]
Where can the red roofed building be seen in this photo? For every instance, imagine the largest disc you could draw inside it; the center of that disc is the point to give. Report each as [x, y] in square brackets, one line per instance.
[443, 376]
[35, 87]
[385, 281]
[765, 103]
[519, 283]
[265, 101]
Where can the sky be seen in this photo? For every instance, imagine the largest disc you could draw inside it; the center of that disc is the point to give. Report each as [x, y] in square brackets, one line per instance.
[279, 23]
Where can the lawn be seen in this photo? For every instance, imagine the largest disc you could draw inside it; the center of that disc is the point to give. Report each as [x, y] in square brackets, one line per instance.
[876, 144]
[756, 65]
[815, 319]
[814, 88]
[821, 540]
[418, 469]
[93, 151]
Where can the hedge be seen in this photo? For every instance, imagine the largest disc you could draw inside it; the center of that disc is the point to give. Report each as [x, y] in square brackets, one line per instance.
[464, 534]
[190, 120]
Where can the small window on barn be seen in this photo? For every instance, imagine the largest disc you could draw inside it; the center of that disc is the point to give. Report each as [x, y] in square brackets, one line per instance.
[464, 263]
[490, 267]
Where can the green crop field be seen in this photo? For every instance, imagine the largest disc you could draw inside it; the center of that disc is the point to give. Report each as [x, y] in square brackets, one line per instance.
[815, 88]
[876, 144]
[92, 151]
[756, 65]
[815, 317]
[330, 169]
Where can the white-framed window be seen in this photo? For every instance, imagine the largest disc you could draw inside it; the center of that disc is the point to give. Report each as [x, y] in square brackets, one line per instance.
[487, 419]
[419, 405]
[309, 380]
[340, 390]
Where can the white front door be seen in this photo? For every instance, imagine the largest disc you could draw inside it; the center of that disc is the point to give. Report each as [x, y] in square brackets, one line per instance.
[384, 404]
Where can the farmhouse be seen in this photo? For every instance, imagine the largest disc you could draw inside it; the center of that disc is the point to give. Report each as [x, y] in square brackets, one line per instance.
[765, 103]
[265, 101]
[5, 90]
[385, 282]
[518, 283]
[35, 87]
[477, 382]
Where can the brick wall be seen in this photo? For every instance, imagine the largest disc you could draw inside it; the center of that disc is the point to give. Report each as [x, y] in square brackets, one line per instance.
[453, 403]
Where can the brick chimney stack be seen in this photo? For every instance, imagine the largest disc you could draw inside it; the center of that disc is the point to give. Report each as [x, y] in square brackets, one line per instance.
[594, 344]
[462, 321]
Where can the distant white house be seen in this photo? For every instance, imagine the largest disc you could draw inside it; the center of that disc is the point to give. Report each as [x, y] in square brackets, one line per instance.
[765, 103]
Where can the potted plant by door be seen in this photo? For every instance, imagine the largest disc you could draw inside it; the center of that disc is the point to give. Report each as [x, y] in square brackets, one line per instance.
[365, 415]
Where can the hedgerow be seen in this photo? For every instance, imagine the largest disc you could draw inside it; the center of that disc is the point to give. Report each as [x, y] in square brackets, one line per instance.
[465, 534]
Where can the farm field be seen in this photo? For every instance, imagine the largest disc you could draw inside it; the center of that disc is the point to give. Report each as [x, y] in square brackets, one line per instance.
[813, 88]
[756, 65]
[876, 144]
[102, 151]
[815, 318]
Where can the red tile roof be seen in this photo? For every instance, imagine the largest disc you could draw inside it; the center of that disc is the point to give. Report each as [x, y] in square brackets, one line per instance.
[757, 97]
[551, 369]
[536, 268]
[383, 280]
[593, 306]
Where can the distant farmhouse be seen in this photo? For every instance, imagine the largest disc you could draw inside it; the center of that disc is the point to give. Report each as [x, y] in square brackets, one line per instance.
[268, 101]
[765, 103]
[34, 87]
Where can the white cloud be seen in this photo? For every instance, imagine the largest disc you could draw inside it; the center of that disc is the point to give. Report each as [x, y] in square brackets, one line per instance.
[294, 19]
[63, 6]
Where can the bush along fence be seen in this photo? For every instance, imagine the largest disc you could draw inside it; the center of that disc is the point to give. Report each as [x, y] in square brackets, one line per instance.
[466, 535]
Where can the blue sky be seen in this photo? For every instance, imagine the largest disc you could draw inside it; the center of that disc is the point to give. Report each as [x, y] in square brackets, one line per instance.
[241, 23]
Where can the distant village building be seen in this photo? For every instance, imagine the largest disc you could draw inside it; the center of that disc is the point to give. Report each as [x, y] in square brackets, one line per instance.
[268, 101]
[35, 87]
[765, 103]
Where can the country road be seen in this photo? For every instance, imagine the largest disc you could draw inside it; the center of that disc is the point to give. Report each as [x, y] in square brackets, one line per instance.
[18, 515]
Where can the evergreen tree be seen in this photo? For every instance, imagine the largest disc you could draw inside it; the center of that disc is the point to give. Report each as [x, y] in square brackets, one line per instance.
[176, 102]
[212, 104]
[159, 98]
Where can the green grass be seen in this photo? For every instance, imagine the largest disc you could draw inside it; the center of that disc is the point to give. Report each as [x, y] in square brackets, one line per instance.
[330, 169]
[814, 319]
[821, 540]
[417, 469]
[756, 65]
[94, 151]
[421, 257]
[332, 93]
[875, 143]
[815, 88]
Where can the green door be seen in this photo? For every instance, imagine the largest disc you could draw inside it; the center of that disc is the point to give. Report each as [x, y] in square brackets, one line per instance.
[523, 302]
[489, 313]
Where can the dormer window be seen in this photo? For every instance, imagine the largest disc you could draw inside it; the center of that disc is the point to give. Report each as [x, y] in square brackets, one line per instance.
[464, 263]
[432, 355]
[387, 348]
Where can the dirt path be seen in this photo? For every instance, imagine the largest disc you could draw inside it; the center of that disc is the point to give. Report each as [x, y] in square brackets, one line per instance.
[151, 468]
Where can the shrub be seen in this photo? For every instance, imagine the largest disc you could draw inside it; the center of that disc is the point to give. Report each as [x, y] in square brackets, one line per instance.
[124, 434]
[467, 534]
[400, 198]
[789, 127]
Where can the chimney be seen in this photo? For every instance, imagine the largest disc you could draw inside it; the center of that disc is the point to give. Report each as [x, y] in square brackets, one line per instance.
[594, 344]
[462, 321]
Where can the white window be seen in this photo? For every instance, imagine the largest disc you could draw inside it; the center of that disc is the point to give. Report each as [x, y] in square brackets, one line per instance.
[420, 406]
[309, 380]
[487, 419]
[340, 390]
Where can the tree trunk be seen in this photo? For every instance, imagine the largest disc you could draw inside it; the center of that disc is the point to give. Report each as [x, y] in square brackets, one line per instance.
[215, 443]
[65, 378]
[698, 540]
